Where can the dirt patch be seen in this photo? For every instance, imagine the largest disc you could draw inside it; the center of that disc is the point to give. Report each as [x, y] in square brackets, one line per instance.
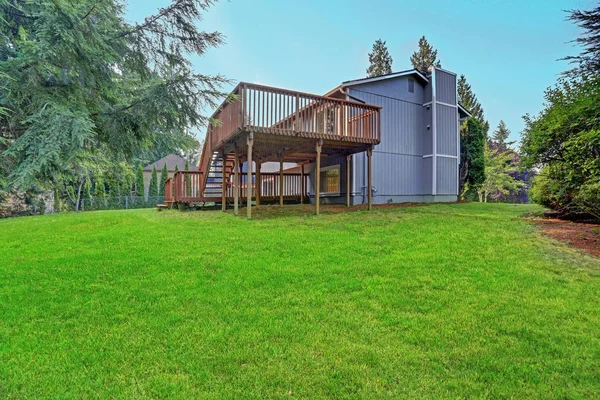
[582, 236]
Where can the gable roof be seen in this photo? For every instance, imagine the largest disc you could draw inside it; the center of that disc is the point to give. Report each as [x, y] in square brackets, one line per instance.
[171, 160]
[408, 72]
[463, 111]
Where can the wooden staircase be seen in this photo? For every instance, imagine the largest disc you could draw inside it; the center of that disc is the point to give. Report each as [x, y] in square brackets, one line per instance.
[214, 181]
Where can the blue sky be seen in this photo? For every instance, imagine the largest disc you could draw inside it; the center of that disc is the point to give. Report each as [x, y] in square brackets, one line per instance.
[507, 49]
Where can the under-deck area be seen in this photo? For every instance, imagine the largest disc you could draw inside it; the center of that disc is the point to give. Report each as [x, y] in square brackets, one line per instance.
[259, 124]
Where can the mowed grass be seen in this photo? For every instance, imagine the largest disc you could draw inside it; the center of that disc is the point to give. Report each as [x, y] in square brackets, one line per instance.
[457, 300]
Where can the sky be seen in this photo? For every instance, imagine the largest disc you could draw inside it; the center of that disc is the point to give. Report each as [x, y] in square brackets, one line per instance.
[509, 50]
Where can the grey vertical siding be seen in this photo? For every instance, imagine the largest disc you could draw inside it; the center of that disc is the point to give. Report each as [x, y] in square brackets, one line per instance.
[446, 130]
[445, 86]
[446, 176]
[427, 131]
[310, 169]
[397, 161]
[402, 163]
[427, 93]
[426, 175]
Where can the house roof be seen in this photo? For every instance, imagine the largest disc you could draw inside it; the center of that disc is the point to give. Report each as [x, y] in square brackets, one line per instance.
[408, 72]
[463, 111]
[171, 160]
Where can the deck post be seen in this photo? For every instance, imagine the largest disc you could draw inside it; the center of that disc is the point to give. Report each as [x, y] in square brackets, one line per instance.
[348, 180]
[318, 178]
[236, 183]
[281, 181]
[223, 183]
[370, 177]
[258, 185]
[249, 142]
[302, 184]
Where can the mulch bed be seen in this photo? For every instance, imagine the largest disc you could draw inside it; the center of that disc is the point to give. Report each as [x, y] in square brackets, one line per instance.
[583, 236]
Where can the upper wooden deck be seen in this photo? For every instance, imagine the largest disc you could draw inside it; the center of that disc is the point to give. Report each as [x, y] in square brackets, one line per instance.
[260, 124]
[283, 122]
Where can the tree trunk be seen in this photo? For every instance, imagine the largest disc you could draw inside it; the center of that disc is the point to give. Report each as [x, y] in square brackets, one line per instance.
[77, 203]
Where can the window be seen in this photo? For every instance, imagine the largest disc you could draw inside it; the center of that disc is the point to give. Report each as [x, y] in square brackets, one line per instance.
[330, 179]
[411, 85]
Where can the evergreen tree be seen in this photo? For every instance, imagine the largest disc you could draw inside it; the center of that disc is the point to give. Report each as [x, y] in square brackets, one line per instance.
[127, 183]
[501, 133]
[472, 156]
[99, 189]
[588, 61]
[188, 179]
[379, 59]
[500, 173]
[76, 77]
[425, 56]
[499, 137]
[139, 182]
[173, 181]
[153, 188]
[468, 99]
[87, 189]
[164, 175]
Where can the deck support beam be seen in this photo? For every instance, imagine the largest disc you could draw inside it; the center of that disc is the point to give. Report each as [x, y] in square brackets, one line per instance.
[370, 177]
[236, 183]
[223, 183]
[318, 178]
[281, 181]
[249, 143]
[348, 157]
[302, 184]
[258, 185]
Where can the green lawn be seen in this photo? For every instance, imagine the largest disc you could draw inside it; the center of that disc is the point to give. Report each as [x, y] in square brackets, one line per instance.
[460, 300]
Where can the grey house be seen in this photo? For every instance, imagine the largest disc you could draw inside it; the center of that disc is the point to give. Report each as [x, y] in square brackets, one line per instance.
[418, 157]
[390, 138]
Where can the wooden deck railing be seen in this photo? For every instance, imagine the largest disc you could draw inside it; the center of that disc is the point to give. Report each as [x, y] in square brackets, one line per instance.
[187, 187]
[258, 108]
[280, 111]
[269, 186]
[286, 112]
[169, 198]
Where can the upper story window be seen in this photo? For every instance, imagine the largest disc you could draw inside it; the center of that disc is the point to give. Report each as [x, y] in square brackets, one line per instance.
[411, 85]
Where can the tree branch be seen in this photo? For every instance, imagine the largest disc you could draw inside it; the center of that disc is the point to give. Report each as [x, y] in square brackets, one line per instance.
[150, 20]
[89, 12]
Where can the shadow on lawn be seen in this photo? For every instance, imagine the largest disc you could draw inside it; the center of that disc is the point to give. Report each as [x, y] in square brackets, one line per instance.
[273, 211]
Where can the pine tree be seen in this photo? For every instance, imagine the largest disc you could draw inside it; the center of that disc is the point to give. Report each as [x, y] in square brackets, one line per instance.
[425, 56]
[379, 59]
[164, 175]
[99, 190]
[188, 179]
[472, 156]
[173, 181]
[468, 100]
[153, 188]
[87, 189]
[500, 135]
[139, 182]
[588, 61]
[106, 85]
[127, 184]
